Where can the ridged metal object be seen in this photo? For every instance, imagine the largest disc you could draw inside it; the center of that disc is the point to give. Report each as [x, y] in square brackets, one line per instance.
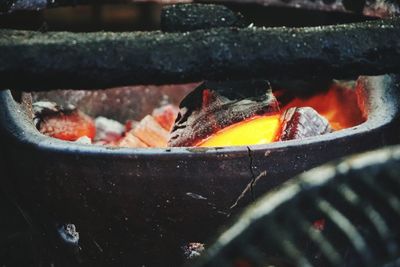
[359, 199]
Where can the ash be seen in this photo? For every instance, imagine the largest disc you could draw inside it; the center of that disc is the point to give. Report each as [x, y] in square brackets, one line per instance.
[193, 250]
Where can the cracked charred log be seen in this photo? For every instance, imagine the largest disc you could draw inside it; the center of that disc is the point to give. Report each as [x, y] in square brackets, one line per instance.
[42, 61]
[213, 106]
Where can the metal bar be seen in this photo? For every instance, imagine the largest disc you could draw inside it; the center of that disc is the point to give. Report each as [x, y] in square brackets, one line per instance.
[41, 61]
[190, 17]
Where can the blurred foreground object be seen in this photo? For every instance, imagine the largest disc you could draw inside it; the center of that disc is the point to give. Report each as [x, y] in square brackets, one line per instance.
[358, 201]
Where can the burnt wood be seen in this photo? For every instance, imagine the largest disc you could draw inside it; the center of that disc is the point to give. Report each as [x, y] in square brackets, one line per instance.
[189, 17]
[303, 122]
[33, 60]
[213, 106]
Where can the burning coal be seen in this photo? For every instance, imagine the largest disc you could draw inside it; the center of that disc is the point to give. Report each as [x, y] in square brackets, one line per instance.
[271, 116]
[214, 114]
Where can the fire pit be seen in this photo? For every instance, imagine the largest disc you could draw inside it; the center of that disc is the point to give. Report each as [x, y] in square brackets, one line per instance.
[163, 198]
[212, 114]
[142, 205]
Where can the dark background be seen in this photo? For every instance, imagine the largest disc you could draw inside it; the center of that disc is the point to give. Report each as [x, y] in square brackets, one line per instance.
[15, 235]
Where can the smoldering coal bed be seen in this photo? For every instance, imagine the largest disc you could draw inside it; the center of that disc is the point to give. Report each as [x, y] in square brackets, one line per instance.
[210, 114]
[135, 203]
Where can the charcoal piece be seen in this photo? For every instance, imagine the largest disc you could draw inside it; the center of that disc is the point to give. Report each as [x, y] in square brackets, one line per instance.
[130, 140]
[213, 106]
[42, 109]
[189, 17]
[130, 124]
[45, 108]
[299, 123]
[150, 132]
[64, 122]
[166, 116]
[67, 126]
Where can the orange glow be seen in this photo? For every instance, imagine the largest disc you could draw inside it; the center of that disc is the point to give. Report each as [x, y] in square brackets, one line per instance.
[338, 105]
[69, 127]
[257, 130]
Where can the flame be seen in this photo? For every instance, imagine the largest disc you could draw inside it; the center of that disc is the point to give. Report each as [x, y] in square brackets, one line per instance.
[256, 130]
[338, 105]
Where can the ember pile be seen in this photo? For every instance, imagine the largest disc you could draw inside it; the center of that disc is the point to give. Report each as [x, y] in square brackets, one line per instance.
[213, 114]
[71, 124]
[281, 117]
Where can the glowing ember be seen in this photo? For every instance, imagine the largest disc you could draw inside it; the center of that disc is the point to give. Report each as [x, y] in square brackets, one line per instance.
[218, 117]
[68, 127]
[338, 105]
[257, 130]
